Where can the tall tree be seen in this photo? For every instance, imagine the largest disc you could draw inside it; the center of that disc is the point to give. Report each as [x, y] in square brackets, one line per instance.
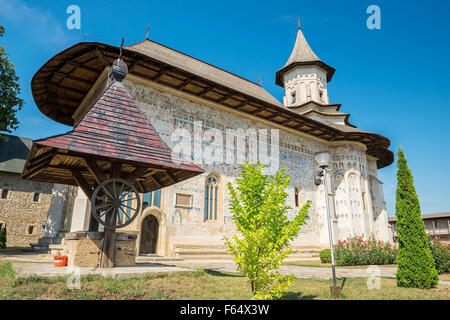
[259, 212]
[10, 102]
[415, 264]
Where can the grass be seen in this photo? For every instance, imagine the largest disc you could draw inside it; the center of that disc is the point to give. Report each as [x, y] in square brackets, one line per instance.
[318, 264]
[195, 285]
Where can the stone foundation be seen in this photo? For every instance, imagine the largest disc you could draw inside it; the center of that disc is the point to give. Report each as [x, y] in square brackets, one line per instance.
[125, 254]
[84, 249]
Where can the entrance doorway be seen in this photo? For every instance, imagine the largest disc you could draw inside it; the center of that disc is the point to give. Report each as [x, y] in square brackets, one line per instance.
[149, 235]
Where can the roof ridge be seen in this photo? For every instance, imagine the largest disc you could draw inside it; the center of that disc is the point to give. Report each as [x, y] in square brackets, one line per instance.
[192, 57]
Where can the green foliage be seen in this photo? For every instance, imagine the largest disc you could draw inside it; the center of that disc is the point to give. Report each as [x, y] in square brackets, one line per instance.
[415, 263]
[3, 238]
[259, 206]
[325, 256]
[441, 254]
[357, 251]
[9, 92]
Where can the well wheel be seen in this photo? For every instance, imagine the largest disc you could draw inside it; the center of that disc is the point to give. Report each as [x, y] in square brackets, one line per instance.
[115, 203]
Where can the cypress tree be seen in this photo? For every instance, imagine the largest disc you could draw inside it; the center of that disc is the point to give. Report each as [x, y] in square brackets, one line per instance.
[415, 264]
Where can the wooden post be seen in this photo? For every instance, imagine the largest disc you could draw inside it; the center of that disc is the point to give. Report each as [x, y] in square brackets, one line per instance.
[109, 248]
[109, 240]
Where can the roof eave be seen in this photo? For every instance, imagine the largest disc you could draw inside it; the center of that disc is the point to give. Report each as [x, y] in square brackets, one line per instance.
[279, 74]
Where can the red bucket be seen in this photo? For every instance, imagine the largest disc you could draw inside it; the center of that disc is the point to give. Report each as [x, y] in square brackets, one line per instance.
[60, 261]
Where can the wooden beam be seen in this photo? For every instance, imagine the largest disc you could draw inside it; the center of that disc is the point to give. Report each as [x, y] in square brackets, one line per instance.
[184, 84]
[82, 183]
[161, 72]
[137, 172]
[95, 170]
[155, 181]
[225, 97]
[274, 115]
[171, 178]
[83, 67]
[74, 78]
[260, 109]
[74, 90]
[116, 168]
[50, 153]
[205, 91]
[101, 56]
[35, 171]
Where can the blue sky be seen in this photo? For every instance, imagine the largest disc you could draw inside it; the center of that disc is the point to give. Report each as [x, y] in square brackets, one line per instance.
[393, 81]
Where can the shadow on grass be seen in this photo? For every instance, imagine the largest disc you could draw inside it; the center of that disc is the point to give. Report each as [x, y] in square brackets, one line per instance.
[297, 296]
[216, 273]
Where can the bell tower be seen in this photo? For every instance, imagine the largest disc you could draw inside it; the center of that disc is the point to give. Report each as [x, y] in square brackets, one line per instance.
[304, 76]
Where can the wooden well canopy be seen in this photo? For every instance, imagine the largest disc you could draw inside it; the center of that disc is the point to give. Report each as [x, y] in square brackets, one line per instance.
[113, 140]
[63, 82]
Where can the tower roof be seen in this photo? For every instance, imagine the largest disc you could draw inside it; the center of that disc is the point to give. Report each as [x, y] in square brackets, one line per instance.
[302, 52]
[302, 55]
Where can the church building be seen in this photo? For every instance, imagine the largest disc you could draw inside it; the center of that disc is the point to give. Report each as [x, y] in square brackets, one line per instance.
[227, 120]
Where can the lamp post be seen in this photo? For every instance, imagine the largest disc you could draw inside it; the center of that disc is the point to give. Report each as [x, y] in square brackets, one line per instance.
[323, 159]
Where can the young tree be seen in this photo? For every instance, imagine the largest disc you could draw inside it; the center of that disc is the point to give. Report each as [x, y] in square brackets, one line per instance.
[415, 264]
[259, 206]
[9, 92]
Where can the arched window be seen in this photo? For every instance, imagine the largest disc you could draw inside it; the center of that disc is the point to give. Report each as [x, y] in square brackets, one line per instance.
[296, 197]
[211, 197]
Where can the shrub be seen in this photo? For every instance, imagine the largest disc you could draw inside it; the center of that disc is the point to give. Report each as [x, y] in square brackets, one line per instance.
[325, 256]
[258, 204]
[441, 255]
[357, 251]
[3, 238]
[415, 264]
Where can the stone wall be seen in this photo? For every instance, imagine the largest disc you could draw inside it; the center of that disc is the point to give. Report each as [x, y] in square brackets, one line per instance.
[20, 213]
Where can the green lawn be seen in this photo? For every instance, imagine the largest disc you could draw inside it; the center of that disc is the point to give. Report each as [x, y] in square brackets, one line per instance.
[319, 264]
[201, 284]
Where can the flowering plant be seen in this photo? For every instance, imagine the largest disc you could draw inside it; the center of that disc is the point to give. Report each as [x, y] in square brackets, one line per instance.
[357, 251]
[440, 251]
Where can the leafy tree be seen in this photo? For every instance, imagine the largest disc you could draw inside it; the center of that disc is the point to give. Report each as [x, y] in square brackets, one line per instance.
[415, 264]
[259, 206]
[3, 238]
[10, 103]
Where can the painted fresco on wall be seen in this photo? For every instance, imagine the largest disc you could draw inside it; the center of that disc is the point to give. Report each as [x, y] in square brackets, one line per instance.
[168, 112]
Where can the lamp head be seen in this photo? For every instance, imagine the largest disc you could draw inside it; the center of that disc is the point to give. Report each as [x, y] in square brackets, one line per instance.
[323, 159]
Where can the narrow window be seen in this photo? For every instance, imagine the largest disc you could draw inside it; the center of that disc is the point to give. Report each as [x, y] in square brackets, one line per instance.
[211, 194]
[364, 201]
[4, 193]
[147, 201]
[296, 198]
[293, 97]
[36, 197]
[157, 198]
[30, 229]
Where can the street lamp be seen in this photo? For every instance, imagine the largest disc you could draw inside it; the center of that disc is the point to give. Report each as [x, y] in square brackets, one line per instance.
[323, 159]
